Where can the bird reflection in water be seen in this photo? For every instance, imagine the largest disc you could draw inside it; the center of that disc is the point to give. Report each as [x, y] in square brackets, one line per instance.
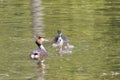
[40, 69]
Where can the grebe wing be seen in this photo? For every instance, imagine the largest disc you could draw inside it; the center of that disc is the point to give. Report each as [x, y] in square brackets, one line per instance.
[64, 38]
[55, 39]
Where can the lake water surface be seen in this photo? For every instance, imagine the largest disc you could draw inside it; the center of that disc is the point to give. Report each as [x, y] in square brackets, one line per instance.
[93, 27]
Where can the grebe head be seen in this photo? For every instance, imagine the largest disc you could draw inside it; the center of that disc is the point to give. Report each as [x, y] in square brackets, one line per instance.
[59, 32]
[40, 39]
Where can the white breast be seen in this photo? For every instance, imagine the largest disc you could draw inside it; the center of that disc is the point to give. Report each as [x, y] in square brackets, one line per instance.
[60, 41]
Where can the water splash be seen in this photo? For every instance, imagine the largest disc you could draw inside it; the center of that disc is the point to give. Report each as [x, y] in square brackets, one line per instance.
[67, 49]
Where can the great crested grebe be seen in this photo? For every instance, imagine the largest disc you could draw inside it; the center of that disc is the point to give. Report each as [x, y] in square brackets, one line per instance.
[39, 54]
[60, 41]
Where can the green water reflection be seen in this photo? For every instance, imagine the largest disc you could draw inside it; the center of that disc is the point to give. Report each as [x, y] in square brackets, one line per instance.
[93, 27]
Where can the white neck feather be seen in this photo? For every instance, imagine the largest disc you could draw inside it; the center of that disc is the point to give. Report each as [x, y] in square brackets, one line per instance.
[42, 47]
